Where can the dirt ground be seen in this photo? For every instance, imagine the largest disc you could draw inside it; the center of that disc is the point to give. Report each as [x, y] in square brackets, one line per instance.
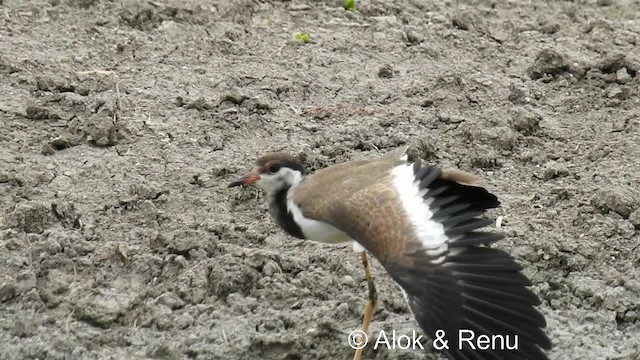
[121, 123]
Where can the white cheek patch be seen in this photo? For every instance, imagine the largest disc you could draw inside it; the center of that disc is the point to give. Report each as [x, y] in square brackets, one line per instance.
[285, 177]
[431, 233]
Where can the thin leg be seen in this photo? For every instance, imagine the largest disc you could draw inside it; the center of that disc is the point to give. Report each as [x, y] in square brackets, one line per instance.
[372, 300]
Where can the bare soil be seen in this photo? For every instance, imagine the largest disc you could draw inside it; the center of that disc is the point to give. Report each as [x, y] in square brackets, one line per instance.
[121, 123]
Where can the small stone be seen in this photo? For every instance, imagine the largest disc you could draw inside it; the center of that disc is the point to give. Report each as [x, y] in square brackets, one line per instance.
[622, 76]
[385, 72]
[604, 2]
[621, 199]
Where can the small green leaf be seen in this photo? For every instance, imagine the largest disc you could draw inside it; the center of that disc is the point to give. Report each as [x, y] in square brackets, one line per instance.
[304, 37]
[350, 5]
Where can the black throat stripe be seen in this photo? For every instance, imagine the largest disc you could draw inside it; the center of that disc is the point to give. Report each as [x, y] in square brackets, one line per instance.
[280, 212]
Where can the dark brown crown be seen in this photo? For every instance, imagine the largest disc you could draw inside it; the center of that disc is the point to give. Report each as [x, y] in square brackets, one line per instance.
[281, 159]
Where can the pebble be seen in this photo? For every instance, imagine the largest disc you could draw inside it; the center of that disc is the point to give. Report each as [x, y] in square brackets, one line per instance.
[622, 76]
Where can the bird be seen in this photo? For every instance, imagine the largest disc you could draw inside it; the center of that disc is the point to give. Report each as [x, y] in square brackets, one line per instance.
[426, 226]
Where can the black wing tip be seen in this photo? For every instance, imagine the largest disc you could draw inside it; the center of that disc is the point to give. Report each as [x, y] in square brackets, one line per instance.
[480, 289]
[478, 197]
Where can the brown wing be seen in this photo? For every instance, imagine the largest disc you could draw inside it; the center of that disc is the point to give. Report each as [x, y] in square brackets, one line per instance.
[460, 285]
[343, 180]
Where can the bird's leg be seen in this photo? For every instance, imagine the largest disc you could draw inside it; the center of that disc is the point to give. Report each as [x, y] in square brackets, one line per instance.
[372, 301]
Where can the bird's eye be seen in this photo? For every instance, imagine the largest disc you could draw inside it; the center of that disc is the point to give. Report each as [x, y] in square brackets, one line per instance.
[274, 168]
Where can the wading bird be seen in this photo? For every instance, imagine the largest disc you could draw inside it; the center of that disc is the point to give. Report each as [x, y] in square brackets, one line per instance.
[424, 225]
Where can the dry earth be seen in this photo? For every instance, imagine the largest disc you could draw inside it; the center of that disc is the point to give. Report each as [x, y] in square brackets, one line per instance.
[121, 122]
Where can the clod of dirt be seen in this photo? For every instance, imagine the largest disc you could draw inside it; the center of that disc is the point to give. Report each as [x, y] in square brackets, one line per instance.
[413, 37]
[162, 351]
[199, 104]
[611, 64]
[212, 140]
[103, 131]
[485, 159]
[72, 242]
[60, 143]
[182, 243]
[519, 94]
[525, 121]
[619, 92]
[145, 18]
[553, 170]
[469, 20]
[449, 118]
[598, 24]
[25, 282]
[548, 63]
[500, 137]
[171, 300]
[34, 112]
[229, 100]
[621, 199]
[231, 275]
[45, 84]
[604, 2]
[634, 218]
[100, 311]
[549, 28]
[83, 4]
[426, 148]
[31, 217]
[7, 289]
[385, 72]
[151, 15]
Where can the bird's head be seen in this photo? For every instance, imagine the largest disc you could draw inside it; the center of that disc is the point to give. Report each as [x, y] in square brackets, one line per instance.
[273, 172]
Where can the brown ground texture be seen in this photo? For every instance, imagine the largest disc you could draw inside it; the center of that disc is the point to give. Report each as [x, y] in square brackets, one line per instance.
[121, 123]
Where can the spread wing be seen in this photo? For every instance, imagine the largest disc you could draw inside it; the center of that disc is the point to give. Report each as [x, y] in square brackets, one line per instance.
[425, 229]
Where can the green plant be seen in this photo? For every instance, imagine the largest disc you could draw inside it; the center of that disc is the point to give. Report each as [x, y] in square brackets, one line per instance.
[350, 5]
[304, 37]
